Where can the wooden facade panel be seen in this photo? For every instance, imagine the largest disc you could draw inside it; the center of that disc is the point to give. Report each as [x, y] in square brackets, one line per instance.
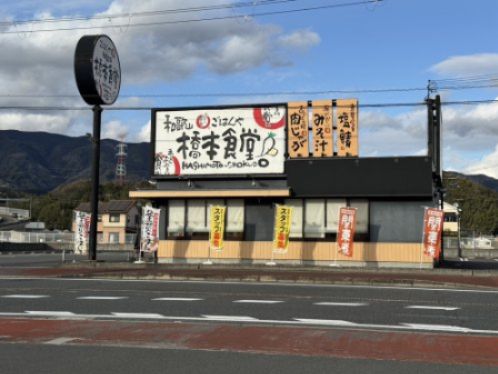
[298, 251]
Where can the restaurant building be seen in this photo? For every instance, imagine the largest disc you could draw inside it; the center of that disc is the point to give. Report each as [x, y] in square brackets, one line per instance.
[301, 154]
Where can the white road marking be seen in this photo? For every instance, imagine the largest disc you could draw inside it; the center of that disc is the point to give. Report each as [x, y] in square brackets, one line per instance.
[429, 327]
[328, 322]
[327, 303]
[19, 296]
[246, 319]
[176, 299]
[50, 313]
[254, 284]
[229, 318]
[60, 341]
[138, 315]
[101, 297]
[429, 307]
[258, 301]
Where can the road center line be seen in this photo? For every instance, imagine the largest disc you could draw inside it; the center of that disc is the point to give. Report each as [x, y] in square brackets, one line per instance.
[327, 303]
[19, 296]
[258, 301]
[176, 299]
[429, 307]
[101, 298]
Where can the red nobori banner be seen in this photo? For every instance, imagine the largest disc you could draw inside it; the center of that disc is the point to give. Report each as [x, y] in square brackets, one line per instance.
[433, 226]
[345, 232]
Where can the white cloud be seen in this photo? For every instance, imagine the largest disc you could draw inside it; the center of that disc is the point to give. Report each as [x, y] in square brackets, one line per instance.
[114, 130]
[41, 63]
[488, 165]
[465, 65]
[144, 134]
[301, 39]
[34, 122]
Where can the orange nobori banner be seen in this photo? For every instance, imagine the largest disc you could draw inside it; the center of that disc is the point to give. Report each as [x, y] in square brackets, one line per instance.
[323, 140]
[433, 226]
[297, 130]
[345, 232]
[347, 127]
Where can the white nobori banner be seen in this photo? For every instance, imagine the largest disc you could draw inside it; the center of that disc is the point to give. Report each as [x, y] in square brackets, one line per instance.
[150, 229]
[81, 233]
[249, 140]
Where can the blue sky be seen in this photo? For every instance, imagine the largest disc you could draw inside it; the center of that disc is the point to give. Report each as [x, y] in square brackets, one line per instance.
[391, 44]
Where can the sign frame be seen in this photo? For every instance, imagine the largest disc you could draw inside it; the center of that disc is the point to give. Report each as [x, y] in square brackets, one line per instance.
[84, 73]
[154, 112]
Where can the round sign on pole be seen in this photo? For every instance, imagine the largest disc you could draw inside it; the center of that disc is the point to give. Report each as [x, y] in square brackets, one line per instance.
[97, 69]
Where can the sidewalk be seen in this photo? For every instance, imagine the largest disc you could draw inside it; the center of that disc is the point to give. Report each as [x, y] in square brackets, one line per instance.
[441, 277]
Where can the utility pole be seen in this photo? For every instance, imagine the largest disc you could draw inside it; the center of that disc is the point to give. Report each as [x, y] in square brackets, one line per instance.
[434, 152]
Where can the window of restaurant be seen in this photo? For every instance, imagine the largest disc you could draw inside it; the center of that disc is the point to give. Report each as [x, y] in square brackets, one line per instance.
[189, 219]
[319, 218]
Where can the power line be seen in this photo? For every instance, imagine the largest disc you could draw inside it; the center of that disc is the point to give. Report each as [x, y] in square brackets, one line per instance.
[150, 12]
[250, 94]
[123, 108]
[217, 18]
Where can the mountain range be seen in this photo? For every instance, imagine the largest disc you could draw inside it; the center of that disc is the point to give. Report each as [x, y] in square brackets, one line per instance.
[38, 162]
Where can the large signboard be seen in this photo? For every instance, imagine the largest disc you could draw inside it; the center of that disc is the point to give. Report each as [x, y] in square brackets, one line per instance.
[346, 230]
[433, 225]
[223, 141]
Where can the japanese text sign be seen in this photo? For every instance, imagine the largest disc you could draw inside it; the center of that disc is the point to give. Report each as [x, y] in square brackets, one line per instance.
[433, 226]
[323, 141]
[297, 131]
[220, 141]
[283, 219]
[217, 227]
[346, 230]
[150, 228]
[347, 127]
[82, 228]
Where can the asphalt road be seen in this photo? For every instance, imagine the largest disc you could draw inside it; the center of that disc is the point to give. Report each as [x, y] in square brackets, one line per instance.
[390, 308]
[95, 325]
[46, 359]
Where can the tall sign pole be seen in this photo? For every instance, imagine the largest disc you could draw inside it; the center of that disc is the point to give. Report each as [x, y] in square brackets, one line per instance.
[98, 77]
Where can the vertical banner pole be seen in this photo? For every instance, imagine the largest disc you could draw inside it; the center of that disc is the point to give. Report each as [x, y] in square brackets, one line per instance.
[423, 239]
[97, 117]
[208, 262]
